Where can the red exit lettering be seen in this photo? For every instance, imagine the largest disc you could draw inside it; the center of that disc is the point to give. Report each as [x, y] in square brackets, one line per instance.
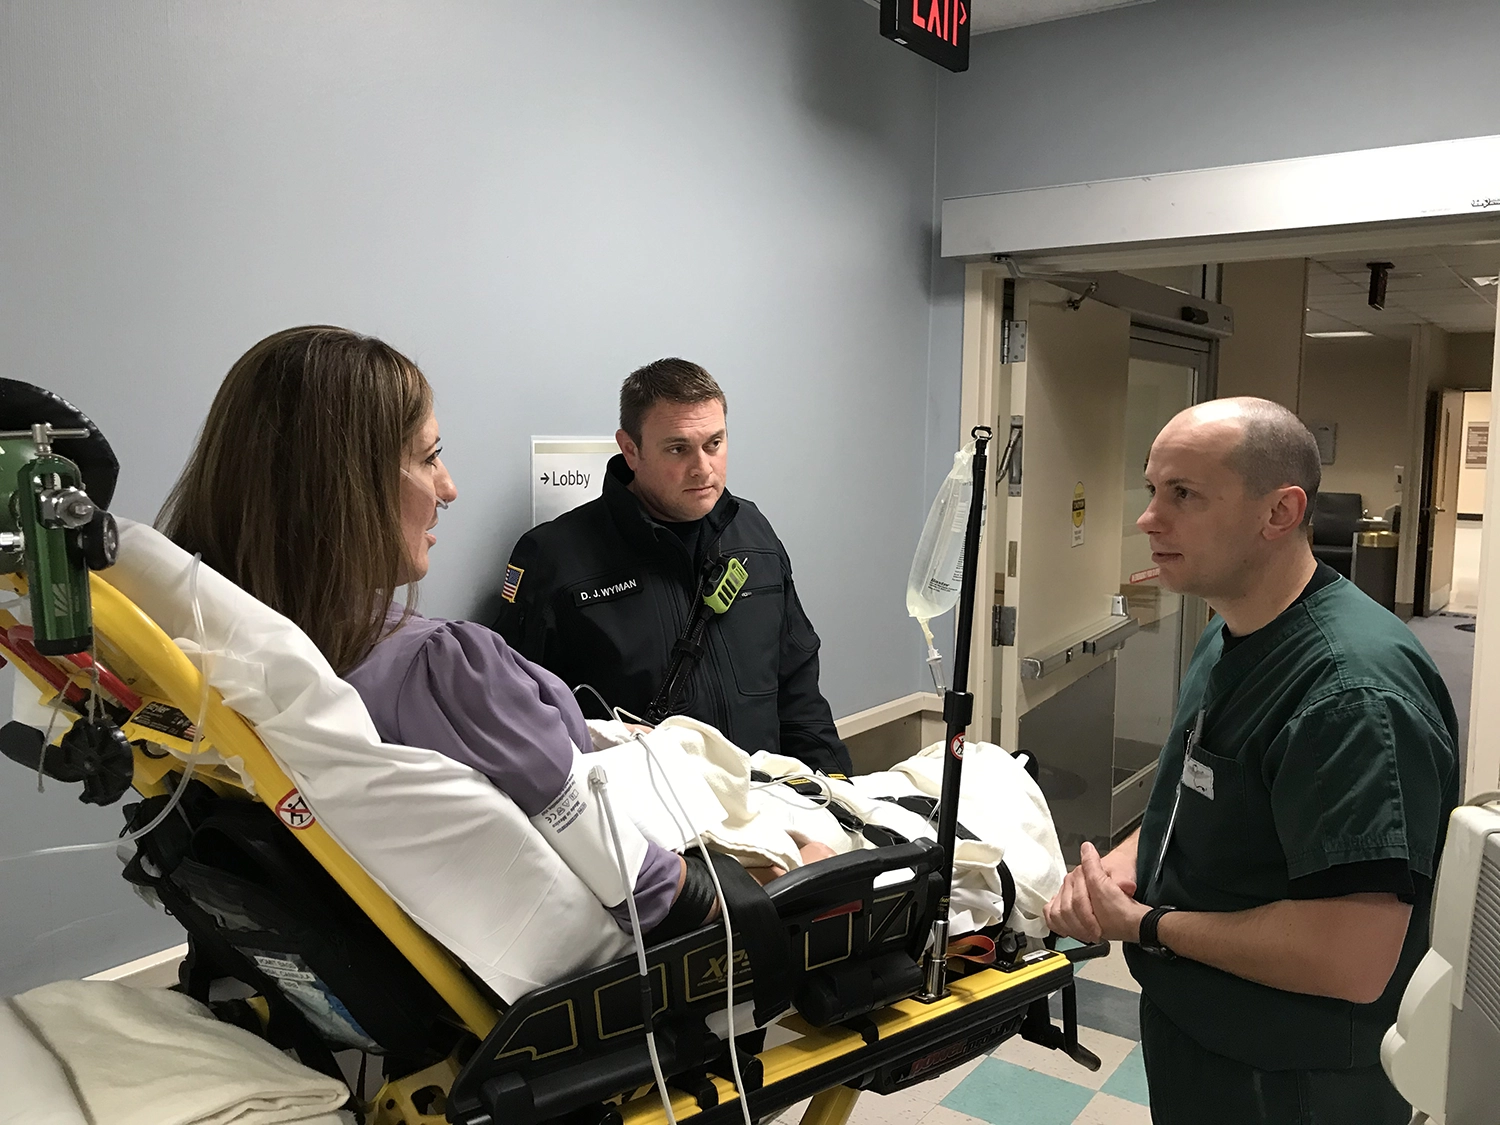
[943, 17]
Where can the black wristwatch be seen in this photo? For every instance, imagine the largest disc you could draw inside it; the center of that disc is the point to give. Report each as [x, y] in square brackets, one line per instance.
[1149, 942]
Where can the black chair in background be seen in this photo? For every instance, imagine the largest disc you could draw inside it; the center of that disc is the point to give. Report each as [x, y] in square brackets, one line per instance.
[1336, 517]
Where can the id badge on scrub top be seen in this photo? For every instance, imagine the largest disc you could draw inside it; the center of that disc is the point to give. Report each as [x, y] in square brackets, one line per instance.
[1198, 777]
[1195, 776]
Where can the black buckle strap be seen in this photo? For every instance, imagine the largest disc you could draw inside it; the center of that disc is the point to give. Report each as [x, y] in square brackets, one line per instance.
[759, 931]
[926, 808]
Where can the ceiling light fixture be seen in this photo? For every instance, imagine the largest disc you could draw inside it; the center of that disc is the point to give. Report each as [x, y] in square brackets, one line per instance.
[1492, 279]
[1338, 335]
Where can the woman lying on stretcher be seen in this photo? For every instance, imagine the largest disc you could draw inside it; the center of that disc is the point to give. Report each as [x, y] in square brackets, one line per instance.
[314, 486]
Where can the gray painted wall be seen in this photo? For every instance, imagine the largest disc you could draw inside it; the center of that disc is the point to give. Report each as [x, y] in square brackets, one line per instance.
[1179, 84]
[530, 200]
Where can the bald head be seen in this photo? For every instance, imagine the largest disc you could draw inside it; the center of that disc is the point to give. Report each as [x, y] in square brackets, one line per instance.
[1262, 441]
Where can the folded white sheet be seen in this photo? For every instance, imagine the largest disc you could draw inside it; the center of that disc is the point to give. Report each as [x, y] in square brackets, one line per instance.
[107, 1054]
[36, 1088]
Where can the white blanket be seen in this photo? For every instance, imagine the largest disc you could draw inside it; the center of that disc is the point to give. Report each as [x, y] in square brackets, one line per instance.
[103, 1053]
[764, 824]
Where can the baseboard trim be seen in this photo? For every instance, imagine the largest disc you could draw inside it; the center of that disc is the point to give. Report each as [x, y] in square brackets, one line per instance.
[890, 712]
[155, 970]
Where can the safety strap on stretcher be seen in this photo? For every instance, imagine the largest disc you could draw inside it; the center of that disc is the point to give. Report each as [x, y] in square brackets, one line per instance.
[759, 929]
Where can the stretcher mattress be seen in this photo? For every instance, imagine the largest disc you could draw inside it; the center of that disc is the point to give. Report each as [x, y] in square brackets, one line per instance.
[464, 861]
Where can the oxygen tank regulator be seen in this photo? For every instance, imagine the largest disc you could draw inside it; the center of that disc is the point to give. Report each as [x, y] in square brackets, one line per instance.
[55, 535]
[52, 534]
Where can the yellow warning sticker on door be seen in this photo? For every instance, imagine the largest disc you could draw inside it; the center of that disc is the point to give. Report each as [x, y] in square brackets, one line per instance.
[1078, 512]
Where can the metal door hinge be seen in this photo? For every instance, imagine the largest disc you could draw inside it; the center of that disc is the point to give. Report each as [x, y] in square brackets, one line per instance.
[1012, 341]
[1003, 626]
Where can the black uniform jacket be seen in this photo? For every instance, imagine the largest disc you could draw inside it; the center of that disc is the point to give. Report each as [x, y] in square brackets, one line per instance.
[600, 594]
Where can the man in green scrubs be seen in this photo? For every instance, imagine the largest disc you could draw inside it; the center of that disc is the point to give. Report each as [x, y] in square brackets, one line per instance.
[1275, 900]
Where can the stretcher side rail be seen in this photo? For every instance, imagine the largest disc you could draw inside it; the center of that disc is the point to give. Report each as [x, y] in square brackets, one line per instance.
[855, 940]
[897, 1047]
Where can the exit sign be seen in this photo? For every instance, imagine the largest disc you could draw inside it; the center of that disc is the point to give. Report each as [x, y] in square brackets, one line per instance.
[935, 29]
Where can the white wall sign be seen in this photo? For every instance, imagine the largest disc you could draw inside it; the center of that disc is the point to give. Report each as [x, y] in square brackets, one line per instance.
[1477, 445]
[567, 472]
[1327, 436]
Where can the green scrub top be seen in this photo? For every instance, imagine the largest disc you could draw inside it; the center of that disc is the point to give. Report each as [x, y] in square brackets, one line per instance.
[1326, 738]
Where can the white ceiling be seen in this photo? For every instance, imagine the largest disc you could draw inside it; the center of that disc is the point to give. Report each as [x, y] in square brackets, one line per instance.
[997, 15]
[1430, 286]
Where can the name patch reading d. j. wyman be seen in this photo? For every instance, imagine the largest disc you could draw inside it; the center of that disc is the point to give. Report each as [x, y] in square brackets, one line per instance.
[591, 594]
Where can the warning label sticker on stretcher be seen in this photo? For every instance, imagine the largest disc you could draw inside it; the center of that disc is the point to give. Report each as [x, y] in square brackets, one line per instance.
[163, 718]
[295, 812]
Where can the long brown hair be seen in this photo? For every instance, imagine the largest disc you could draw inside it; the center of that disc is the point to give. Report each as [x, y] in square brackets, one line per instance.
[293, 490]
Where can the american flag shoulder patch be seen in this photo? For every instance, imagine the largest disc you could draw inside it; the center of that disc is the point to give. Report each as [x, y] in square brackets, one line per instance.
[512, 583]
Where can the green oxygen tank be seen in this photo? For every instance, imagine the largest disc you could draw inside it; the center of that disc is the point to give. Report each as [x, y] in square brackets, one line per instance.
[57, 533]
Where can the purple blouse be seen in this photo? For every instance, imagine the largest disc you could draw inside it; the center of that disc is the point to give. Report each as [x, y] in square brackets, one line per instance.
[458, 688]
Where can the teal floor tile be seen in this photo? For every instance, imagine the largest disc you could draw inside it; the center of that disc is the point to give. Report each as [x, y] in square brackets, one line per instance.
[1005, 1094]
[1129, 1079]
[1104, 1008]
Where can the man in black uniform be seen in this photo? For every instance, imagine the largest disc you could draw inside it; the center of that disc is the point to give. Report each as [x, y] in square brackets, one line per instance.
[601, 594]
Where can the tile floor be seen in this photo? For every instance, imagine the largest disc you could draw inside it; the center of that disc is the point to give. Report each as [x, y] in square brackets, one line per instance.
[1023, 1084]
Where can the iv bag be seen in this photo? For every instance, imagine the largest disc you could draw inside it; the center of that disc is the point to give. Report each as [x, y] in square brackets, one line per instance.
[937, 569]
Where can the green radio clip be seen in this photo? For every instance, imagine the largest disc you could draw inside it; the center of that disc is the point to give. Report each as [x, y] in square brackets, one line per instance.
[722, 593]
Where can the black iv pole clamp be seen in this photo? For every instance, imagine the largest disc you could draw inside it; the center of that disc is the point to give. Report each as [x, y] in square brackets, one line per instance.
[958, 709]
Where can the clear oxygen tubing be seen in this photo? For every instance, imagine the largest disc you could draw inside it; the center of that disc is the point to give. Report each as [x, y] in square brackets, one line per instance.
[192, 762]
[734, 1057]
[436, 499]
[592, 690]
[41, 759]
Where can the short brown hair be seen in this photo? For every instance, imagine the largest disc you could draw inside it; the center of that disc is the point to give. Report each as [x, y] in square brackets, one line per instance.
[1275, 450]
[293, 491]
[665, 380]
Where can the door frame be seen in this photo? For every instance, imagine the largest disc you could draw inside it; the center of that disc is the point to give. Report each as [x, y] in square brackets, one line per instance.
[1149, 343]
[1438, 492]
[991, 298]
[1409, 195]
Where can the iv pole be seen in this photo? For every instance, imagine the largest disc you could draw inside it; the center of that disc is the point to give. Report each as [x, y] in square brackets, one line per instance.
[958, 709]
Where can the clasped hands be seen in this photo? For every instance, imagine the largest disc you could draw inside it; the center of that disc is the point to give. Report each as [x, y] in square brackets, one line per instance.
[1095, 902]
